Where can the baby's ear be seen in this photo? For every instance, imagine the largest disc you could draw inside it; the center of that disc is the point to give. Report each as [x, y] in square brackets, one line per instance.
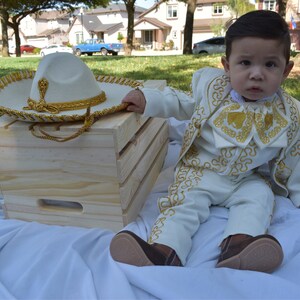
[225, 63]
[288, 69]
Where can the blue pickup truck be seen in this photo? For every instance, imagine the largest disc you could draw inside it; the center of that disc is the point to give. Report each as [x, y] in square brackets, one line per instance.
[91, 46]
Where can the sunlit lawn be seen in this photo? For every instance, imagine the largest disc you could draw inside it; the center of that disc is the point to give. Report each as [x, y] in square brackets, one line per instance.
[176, 69]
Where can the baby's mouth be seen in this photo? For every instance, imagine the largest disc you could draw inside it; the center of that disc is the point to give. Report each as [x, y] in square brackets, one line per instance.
[255, 89]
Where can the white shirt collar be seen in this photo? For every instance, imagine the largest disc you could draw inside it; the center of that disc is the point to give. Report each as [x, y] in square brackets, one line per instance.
[240, 99]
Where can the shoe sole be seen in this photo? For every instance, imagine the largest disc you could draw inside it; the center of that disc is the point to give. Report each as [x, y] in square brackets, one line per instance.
[125, 249]
[263, 255]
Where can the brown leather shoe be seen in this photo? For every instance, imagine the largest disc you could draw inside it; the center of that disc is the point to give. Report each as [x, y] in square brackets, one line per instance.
[262, 253]
[128, 248]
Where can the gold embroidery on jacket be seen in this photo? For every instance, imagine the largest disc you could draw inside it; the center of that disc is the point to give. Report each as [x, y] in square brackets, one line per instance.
[295, 151]
[294, 117]
[217, 86]
[237, 122]
[241, 165]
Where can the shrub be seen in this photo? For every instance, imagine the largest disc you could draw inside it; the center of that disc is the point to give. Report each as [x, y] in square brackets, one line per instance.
[171, 44]
[37, 51]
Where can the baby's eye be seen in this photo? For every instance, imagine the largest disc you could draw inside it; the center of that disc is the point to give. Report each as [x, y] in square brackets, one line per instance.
[245, 62]
[270, 64]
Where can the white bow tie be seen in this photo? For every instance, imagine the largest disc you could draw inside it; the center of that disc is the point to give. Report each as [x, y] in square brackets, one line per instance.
[239, 123]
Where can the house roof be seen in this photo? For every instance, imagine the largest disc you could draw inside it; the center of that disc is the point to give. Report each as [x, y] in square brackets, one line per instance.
[51, 15]
[114, 8]
[210, 21]
[92, 23]
[107, 27]
[153, 21]
[154, 6]
[205, 24]
[47, 32]
[210, 1]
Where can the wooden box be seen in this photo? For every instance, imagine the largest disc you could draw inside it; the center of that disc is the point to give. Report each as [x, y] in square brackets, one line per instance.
[100, 179]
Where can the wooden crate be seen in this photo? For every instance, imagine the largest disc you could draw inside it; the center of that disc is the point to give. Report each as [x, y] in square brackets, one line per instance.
[100, 179]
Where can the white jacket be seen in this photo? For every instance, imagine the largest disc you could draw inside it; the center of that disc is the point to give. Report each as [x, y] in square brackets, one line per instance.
[210, 86]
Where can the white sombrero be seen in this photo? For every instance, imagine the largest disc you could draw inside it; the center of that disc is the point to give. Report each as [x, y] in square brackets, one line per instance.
[61, 90]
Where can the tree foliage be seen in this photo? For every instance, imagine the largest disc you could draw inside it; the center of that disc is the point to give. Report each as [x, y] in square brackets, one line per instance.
[240, 7]
[13, 11]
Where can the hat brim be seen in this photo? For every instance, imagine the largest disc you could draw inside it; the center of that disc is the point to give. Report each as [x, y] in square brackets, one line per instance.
[15, 88]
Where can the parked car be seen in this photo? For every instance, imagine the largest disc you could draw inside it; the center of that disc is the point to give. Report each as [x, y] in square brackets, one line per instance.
[23, 48]
[55, 48]
[91, 46]
[27, 49]
[210, 46]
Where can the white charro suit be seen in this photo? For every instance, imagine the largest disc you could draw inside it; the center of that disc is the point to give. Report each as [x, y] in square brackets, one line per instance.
[226, 142]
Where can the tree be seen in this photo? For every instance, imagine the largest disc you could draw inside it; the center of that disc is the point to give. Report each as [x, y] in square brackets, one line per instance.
[130, 8]
[240, 7]
[281, 7]
[18, 10]
[188, 28]
[4, 19]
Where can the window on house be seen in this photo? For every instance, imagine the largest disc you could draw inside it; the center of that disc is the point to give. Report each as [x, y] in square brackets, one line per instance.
[79, 37]
[27, 24]
[148, 36]
[172, 11]
[199, 6]
[218, 9]
[269, 4]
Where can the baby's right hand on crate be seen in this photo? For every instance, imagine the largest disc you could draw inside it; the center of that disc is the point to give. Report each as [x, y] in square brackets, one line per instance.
[136, 101]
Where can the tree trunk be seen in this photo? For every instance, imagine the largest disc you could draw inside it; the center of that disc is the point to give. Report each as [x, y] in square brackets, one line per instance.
[130, 28]
[15, 27]
[281, 7]
[188, 28]
[4, 21]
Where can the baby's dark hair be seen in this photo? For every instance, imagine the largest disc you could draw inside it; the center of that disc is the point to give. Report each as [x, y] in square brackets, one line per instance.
[262, 24]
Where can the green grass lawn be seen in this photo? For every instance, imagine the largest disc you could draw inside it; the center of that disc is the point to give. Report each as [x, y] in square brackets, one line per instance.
[176, 69]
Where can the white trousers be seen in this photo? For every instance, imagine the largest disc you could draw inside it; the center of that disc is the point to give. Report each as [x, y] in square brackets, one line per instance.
[250, 201]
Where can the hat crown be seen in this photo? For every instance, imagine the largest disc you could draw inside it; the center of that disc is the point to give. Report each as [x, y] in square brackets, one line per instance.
[69, 79]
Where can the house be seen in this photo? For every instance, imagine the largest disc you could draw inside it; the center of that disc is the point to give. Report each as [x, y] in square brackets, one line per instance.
[165, 21]
[53, 27]
[109, 23]
[265, 4]
[293, 18]
[154, 28]
[42, 29]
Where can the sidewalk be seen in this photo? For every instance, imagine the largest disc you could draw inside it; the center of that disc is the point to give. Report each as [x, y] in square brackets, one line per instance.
[153, 52]
[133, 53]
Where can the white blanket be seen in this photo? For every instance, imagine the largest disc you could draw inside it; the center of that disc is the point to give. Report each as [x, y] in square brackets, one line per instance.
[58, 262]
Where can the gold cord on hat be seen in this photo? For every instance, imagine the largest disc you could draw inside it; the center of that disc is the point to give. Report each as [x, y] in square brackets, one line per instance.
[57, 107]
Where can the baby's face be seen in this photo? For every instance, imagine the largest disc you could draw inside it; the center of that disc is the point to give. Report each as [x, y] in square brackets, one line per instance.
[256, 67]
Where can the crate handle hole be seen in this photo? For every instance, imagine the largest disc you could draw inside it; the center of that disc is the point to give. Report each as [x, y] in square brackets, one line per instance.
[60, 205]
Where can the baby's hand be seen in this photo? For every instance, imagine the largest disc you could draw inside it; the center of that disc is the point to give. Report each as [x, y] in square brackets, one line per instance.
[136, 101]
